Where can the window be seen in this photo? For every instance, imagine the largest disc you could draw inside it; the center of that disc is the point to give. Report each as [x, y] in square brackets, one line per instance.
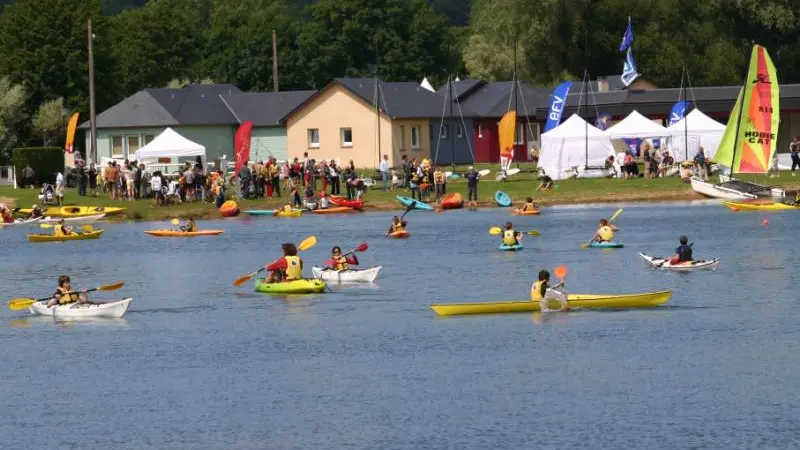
[459, 132]
[313, 138]
[346, 136]
[148, 138]
[445, 130]
[480, 131]
[117, 152]
[415, 138]
[519, 136]
[133, 145]
[402, 137]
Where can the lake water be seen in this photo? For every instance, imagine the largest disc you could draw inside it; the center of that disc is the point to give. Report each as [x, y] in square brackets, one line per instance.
[199, 364]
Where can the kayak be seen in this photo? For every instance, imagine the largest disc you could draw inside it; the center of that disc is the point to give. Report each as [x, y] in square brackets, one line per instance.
[110, 310]
[662, 263]
[606, 245]
[179, 233]
[229, 209]
[337, 210]
[346, 276]
[341, 201]
[607, 301]
[508, 173]
[20, 222]
[760, 206]
[293, 213]
[453, 201]
[405, 201]
[78, 211]
[74, 220]
[260, 212]
[530, 212]
[502, 199]
[401, 234]
[304, 286]
[510, 248]
[70, 237]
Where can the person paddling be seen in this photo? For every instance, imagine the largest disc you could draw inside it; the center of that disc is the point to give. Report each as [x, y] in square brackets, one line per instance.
[510, 236]
[189, 226]
[529, 205]
[288, 267]
[605, 233]
[6, 214]
[35, 212]
[65, 295]
[683, 253]
[542, 292]
[339, 261]
[398, 224]
[62, 230]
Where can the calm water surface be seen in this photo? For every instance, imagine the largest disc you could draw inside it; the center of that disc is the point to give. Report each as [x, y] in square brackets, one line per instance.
[197, 363]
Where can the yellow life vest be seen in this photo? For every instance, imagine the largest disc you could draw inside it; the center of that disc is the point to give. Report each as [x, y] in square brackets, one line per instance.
[398, 226]
[287, 208]
[341, 263]
[58, 230]
[294, 268]
[510, 237]
[65, 296]
[536, 291]
[606, 233]
[189, 226]
[528, 207]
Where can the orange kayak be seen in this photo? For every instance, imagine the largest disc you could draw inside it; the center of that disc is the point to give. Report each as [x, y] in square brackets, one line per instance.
[530, 212]
[337, 210]
[453, 201]
[401, 234]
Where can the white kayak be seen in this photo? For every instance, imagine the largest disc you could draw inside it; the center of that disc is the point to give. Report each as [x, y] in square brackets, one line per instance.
[346, 276]
[20, 222]
[110, 310]
[662, 263]
[74, 220]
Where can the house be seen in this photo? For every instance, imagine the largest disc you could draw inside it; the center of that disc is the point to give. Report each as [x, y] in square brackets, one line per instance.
[451, 134]
[340, 122]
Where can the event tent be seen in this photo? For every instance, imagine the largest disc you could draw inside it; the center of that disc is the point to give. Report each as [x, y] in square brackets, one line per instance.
[170, 144]
[636, 126]
[567, 146]
[696, 129]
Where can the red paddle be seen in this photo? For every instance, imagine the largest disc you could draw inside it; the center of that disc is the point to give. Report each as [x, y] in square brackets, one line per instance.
[361, 248]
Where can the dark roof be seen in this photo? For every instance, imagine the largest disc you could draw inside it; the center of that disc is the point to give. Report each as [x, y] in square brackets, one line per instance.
[461, 88]
[494, 99]
[264, 109]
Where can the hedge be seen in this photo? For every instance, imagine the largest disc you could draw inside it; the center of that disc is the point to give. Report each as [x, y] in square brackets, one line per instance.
[45, 162]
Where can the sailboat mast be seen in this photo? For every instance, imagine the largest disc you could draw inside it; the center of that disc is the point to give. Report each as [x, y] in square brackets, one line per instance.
[585, 100]
[514, 93]
[739, 120]
[452, 127]
[378, 97]
[685, 117]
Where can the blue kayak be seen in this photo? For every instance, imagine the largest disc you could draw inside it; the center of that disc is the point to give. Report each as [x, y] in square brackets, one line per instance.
[405, 201]
[502, 199]
[510, 248]
[606, 245]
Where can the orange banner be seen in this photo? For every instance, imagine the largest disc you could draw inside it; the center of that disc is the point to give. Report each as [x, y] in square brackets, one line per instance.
[505, 132]
[73, 124]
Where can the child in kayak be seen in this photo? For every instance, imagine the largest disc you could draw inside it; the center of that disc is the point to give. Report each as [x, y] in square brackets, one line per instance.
[323, 201]
[35, 212]
[339, 261]
[542, 292]
[62, 230]
[311, 203]
[6, 214]
[189, 226]
[397, 225]
[683, 253]
[288, 267]
[65, 295]
[511, 237]
[529, 205]
[605, 233]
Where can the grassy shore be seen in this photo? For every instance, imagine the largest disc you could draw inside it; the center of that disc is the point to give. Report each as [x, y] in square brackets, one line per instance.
[518, 187]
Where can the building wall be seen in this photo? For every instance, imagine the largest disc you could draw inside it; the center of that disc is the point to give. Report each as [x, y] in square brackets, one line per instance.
[788, 129]
[487, 145]
[268, 141]
[218, 140]
[462, 147]
[401, 140]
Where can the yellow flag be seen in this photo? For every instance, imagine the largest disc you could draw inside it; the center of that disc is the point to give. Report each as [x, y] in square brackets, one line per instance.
[505, 133]
[73, 124]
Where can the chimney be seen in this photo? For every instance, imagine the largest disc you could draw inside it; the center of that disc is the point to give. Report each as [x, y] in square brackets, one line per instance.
[602, 85]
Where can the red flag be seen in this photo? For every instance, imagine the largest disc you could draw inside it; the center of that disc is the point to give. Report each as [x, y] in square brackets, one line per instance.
[241, 144]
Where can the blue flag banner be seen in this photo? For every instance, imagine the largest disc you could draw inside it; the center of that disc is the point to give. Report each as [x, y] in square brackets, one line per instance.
[627, 38]
[629, 71]
[602, 121]
[678, 112]
[633, 146]
[557, 103]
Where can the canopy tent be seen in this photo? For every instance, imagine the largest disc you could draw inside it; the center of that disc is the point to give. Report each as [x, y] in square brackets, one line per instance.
[636, 126]
[574, 143]
[696, 130]
[170, 144]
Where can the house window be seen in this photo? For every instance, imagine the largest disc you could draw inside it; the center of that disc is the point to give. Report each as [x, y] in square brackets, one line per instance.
[117, 152]
[459, 132]
[402, 137]
[519, 136]
[346, 135]
[415, 138]
[133, 145]
[445, 130]
[313, 138]
[480, 131]
[148, 138]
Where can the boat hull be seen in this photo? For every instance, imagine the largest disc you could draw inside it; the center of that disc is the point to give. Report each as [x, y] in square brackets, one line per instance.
[606, 245]
[661, 263]
[21, 223]
[511, 248]
[78, 211]
[336, 210]
[341, 201]
[759, 206]
[178, 233]
[587, 301]
[346, 276]
[74, 220]
[452, 201]
[402, 234]
[530, 212]
[108, 310]
[304, 286]
[405, 201]
[72, 237]
[502, 199]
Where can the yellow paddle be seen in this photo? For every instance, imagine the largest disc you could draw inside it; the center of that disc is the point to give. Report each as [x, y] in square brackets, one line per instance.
[495, 231]
[614, 216]
[87, 228]
[175, 222]
[305, 245]
[21, 303]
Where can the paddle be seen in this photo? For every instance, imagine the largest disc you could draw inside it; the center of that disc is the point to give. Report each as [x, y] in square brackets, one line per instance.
[87, 228]
[614, 216]
[361, 248]
[667, 259]
[408, 209]
[25, 302]
[494, 231]
[561, 272]
[305, 245]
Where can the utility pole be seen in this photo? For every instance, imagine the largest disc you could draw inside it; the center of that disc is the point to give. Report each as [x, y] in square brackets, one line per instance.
[92, 115]
[274, 61]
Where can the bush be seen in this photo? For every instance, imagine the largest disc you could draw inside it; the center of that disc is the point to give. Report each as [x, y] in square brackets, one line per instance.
[45, 162]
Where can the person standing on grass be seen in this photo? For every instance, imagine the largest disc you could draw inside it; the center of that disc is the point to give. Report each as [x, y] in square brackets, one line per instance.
[794, 152]
[438, 183]
[384, 170]
[333, 169]
[406, 170]
[472, 186]
[700, 163]
[83, 181]
[275, 176]
[92, 174]
[60, 187]
[28, 176]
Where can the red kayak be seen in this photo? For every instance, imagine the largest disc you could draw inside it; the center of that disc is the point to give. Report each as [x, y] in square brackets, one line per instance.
[341, 201]
[453, 201]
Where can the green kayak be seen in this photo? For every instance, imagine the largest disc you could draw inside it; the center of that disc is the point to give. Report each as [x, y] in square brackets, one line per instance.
[290, 287]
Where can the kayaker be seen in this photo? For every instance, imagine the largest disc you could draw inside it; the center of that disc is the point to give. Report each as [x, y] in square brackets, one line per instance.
[511, 237]
[189, 226]
[35, 212]
[62, 230]
[6, 214]
[605, 233]
[397, 225]
[683, 253]
[287, 209]
[323, 201]
[65, 295]
[542, 292]
[339, 261]
[286, 268]
[529, 205]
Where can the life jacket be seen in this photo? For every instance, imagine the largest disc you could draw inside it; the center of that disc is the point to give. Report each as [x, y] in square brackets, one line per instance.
[66, 296]
[398, 226]
[287, 208]
[341, 263]
[684, 253]
[537, 291]
[189, 226]
[510, 237]
[58, 230]
[606, 233]
[294, 268]
[415, 178]
[528, 207]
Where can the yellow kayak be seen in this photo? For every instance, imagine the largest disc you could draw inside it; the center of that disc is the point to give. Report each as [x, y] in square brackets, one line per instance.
[78, 211]
[293, 213]
[70, 237]
[605, 301]
[760, 206]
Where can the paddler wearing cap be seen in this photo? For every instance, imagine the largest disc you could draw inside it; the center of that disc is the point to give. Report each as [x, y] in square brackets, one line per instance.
[35, 212]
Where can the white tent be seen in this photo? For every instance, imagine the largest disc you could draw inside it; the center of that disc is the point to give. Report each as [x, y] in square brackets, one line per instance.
[636, 126]
[170, 144]
[427, 84]
[565, 147]
[696, 129]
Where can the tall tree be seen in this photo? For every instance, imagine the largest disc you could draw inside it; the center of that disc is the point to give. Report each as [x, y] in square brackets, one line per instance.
[49, 120]
[12, 106]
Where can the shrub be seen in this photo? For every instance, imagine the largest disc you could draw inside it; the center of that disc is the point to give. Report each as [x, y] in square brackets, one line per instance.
[45, 162]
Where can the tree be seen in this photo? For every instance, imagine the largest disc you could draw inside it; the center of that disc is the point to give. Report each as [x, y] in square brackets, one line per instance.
[178, 84]
[12, 106]
[49, 120]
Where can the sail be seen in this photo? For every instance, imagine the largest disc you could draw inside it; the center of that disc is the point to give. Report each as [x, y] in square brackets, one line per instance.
[505, 133]
[752, 131]
[73, 124]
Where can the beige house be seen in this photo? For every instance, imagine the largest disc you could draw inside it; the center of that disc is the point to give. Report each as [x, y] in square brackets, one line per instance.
[340, 122]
